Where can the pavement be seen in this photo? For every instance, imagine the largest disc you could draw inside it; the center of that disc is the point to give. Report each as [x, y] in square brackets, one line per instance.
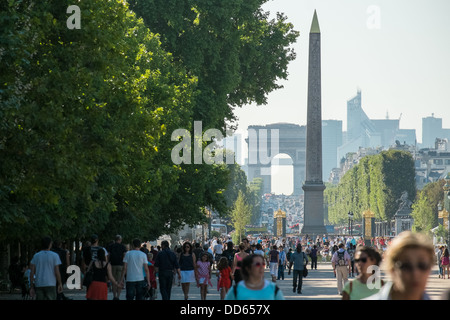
[319, 285]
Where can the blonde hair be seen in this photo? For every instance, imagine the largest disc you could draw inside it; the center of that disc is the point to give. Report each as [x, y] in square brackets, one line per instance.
[407, 240]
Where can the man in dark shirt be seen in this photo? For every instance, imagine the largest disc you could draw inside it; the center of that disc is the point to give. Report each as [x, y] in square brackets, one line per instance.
[117, 252]
[165, 263]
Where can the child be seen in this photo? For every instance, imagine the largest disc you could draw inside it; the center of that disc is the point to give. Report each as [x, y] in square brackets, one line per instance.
[225, 277]
[203, 275]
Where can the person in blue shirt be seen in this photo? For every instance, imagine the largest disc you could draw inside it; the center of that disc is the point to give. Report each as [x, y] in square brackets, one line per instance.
[254, 286]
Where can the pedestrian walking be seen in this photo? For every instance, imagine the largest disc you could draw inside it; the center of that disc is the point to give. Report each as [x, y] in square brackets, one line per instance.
[116, 253]
[45, 275]
[229, 253]
[351, 251]
[254, 286]
[225, 277]
[408, 260]
[341, 263]
[274, 257]
[64, 256]
[135, 263]
[198, 250]
[90, 252]
[203, 275]
[188, 267]
[281, 264]
[359, 288]
[102, 272]
[218, 251]
[166, 264]
[313, 255]
[300, 260]
[237, 262]
[439, 252]
[445, 263]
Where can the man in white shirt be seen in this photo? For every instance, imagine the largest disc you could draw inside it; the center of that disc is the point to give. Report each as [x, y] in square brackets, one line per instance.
[45, 275]
[135, 263]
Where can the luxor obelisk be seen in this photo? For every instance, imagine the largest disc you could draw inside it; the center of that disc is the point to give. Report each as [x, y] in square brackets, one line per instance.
[313, 185]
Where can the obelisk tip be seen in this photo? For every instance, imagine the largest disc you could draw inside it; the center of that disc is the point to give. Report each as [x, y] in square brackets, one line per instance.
[315, 24]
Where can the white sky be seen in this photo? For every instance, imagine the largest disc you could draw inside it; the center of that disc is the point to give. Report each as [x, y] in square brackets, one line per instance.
[401, 68]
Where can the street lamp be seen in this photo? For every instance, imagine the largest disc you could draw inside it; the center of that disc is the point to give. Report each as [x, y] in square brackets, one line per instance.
[350, 220]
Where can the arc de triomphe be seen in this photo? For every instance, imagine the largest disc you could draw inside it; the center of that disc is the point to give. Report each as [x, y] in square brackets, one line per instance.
[266, 142]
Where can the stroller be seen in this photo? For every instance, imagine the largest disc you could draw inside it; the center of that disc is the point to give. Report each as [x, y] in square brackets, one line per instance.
[150, 293]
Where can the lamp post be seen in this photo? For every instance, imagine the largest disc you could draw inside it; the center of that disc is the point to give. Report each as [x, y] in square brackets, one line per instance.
[350, 220]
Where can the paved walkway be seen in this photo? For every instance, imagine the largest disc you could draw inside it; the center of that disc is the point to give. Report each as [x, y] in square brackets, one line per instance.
[319, 285]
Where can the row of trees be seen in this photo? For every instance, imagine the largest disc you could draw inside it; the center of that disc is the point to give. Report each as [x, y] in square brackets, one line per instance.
[375, 183]
[87, 115]
[425, 209]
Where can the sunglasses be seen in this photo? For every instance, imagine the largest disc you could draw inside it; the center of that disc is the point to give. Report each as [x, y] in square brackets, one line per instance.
[362, 260]
[259, 264]
[409, 267]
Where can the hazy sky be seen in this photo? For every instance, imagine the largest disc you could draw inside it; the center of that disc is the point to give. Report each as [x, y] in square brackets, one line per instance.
[402, 68]
[396, 51]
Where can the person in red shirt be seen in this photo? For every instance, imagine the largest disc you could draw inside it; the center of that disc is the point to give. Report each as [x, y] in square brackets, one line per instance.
[225, 277]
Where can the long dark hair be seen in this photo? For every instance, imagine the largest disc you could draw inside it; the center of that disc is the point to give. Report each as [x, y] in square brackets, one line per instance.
[187, 243]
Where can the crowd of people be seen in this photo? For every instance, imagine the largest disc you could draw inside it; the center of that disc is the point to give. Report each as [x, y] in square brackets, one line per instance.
[240, 268]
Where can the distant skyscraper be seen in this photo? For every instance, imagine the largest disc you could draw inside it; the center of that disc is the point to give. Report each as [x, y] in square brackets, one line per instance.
[358, 123]
[331, 140]
[387, 130]
[407, 136]
[431, 129]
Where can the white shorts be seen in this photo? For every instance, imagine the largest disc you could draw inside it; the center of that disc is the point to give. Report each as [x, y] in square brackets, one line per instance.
[274, 268]
[187, 276]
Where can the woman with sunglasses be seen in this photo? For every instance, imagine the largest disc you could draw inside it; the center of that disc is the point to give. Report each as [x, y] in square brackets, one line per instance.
[409, 260]
[254, 286]
[188, 267]
[358, 288]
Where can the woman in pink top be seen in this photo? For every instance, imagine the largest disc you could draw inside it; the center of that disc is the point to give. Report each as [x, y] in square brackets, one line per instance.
[238, 257]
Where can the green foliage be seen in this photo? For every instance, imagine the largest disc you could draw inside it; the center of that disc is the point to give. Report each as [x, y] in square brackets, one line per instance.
[423, 214]
[233, 48]
[87, 115]
[85, 144]
[375, 183]
[241, 215]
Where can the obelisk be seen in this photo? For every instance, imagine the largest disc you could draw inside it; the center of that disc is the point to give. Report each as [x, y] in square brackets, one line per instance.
[313, 186]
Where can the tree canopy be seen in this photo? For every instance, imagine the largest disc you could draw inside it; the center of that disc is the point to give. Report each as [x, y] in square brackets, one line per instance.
[375, 183]
[87, 114]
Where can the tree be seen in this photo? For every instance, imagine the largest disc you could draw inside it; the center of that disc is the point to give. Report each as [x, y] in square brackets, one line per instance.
[84, 121]
[241, 215]
[422, 214]
[434, 193]
[375, 183]
[231, 46]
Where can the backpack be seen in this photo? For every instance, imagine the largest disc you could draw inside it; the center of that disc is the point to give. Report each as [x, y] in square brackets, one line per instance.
[341, 258]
